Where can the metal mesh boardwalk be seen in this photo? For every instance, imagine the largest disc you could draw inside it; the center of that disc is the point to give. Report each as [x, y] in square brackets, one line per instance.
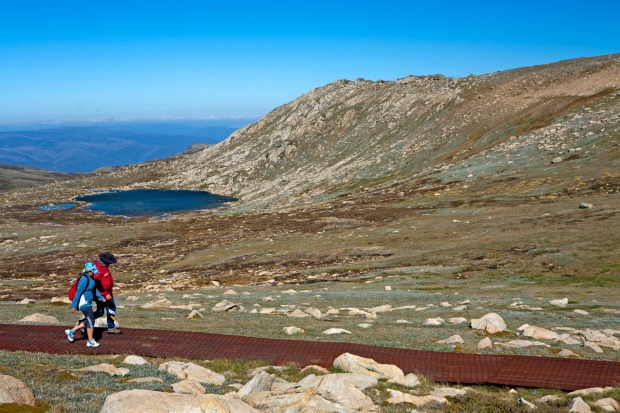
[546, 372]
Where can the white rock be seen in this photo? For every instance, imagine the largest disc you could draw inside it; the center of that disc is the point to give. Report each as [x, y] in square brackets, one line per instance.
[260, 382]
[567, 353]
[355, 364]
[410, 380]
[581, 312]
[192, 371]
[403, 322]
[16, 391]
[608, 404]
[437, 321]
[26, 301]
[380, 309]
[418, 401]
[189, 386]
[229, 292]
[336, 331]
[563, 302]
[538, 333]
[314, 312]
[457, 320]
[579, 406]
[110, 369]
[527, 404]
[40, 318]
[455, 339]
[267, 310]
[549, 399]
[485, 343]
[147, 401]
[135, 360]
[63, 299]
[388, 288]
[590, 391]
[491, 323]
[195, 314]
[298, 314]
[521, 344]
[226, 305]
[158, 303]
[448, 392]
[292, 330]
[315, 368]
[593, 346]
[364, 325]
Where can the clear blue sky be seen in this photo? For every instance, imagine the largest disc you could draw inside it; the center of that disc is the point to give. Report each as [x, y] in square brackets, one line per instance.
[88, 59]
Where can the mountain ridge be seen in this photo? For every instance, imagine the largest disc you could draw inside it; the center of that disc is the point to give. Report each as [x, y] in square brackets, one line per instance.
[346, 136]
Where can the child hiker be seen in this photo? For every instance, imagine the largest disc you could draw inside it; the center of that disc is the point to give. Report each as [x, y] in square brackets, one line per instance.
[84, 296]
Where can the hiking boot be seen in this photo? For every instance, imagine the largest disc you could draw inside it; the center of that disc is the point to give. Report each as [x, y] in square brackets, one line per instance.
[114, 331]
[70, 336]
[92, 343]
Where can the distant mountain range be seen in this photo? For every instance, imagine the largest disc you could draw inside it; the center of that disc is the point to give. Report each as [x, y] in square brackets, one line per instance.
[87, 148]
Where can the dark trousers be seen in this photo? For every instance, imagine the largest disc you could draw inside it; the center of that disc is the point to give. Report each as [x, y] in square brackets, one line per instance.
[109, 307]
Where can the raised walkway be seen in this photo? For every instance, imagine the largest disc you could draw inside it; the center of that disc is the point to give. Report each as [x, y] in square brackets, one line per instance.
[459, 368]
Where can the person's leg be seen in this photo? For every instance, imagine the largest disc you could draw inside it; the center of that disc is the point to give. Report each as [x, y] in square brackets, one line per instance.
[111, 312]
[89, 323]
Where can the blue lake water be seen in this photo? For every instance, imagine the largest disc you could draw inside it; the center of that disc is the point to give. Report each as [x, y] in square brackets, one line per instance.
[152, 202]
[54, 207]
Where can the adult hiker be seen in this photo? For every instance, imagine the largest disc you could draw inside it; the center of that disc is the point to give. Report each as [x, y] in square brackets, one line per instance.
[86, 292]
[105, 285]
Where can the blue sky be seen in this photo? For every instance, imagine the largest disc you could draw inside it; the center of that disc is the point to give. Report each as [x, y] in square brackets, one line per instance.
[67, 60]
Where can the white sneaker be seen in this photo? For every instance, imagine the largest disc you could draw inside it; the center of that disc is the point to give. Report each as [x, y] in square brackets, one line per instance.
[92, 343]
[70, 336]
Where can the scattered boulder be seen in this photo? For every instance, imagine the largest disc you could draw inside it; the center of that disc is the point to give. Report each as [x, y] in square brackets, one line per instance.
[521, 344]
[194, 314]
[455, 339]
[448, 392]
[563, 302]
[590, 391]
[314, 312]
[148, 401]
[26, 301]
[410, 380]
[225, 305]
[457, 320]
[527, 404]
[485, 343]
[434, 321]
[356, 364]
[538, 333]
[110, 369]
[63, 299]
[298, 314]
[135, 360]
[579, 406]
[189, 386]
[292, 330]
[331, 331]
[549, 399]
[608, 404]
[492, 323]
[315, 368]
[40, 318]
[192, 371]
[586, 205]
[260, 382]
[158, 303]
[13, 390]
[418, 401]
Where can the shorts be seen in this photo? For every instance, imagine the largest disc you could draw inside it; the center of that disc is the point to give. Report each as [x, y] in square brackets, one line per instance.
[89, 316]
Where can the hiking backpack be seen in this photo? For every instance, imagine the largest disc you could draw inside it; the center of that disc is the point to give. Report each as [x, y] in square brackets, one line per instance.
[73, 289]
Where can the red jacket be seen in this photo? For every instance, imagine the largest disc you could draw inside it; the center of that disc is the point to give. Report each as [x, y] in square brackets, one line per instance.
[104, 280]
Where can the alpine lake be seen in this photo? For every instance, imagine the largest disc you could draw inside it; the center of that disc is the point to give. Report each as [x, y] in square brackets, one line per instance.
[147, 202]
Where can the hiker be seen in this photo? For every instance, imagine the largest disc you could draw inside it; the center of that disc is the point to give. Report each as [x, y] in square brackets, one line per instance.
[86, 292]
[105, 284]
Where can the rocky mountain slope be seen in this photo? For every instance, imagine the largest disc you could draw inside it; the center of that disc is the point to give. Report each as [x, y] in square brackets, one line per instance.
[525, 130]
[463, 177]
